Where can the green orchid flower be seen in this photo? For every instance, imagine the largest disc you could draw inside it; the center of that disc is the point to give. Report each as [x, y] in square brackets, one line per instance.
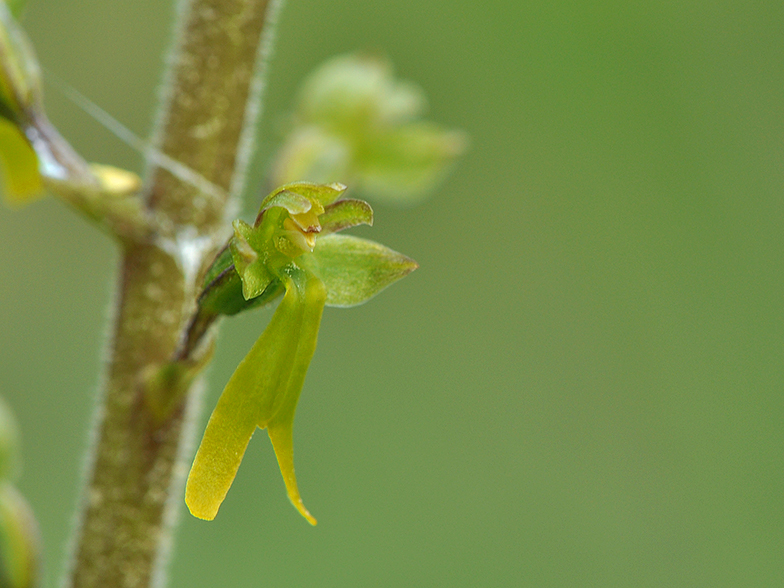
[291, 249]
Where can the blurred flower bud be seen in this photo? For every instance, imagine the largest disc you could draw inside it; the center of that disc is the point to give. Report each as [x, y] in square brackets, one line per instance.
[311, 152]
[350, 92]
[19, 543]
[357, 124]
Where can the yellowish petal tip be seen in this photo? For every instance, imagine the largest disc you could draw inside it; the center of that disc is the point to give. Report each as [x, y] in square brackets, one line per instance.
[201, 509]
[201, 496]
[304, 512]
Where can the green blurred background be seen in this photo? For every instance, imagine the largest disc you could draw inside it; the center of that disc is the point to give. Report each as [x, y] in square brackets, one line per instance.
[581, 385]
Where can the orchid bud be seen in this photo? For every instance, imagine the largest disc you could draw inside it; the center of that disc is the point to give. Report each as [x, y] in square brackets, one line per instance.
[355, 122]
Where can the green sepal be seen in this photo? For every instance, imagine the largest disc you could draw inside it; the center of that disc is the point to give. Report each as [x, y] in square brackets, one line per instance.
[267, 381]
[224, 295]
[345, 214]
[354, 270]
[249, 250]
[222, 288]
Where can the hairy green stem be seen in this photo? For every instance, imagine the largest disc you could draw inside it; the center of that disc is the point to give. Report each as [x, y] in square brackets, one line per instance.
[134, 483]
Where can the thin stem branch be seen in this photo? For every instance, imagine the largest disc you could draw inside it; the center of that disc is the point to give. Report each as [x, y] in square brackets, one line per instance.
[66, 174]
[135, 477]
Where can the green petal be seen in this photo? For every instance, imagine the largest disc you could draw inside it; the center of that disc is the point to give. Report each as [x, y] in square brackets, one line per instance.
[291, 200]
[257, 385]
[220, 453]
[324, 194]
[298, 197]
[354, 270]
[280, 428]
[344, 214]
